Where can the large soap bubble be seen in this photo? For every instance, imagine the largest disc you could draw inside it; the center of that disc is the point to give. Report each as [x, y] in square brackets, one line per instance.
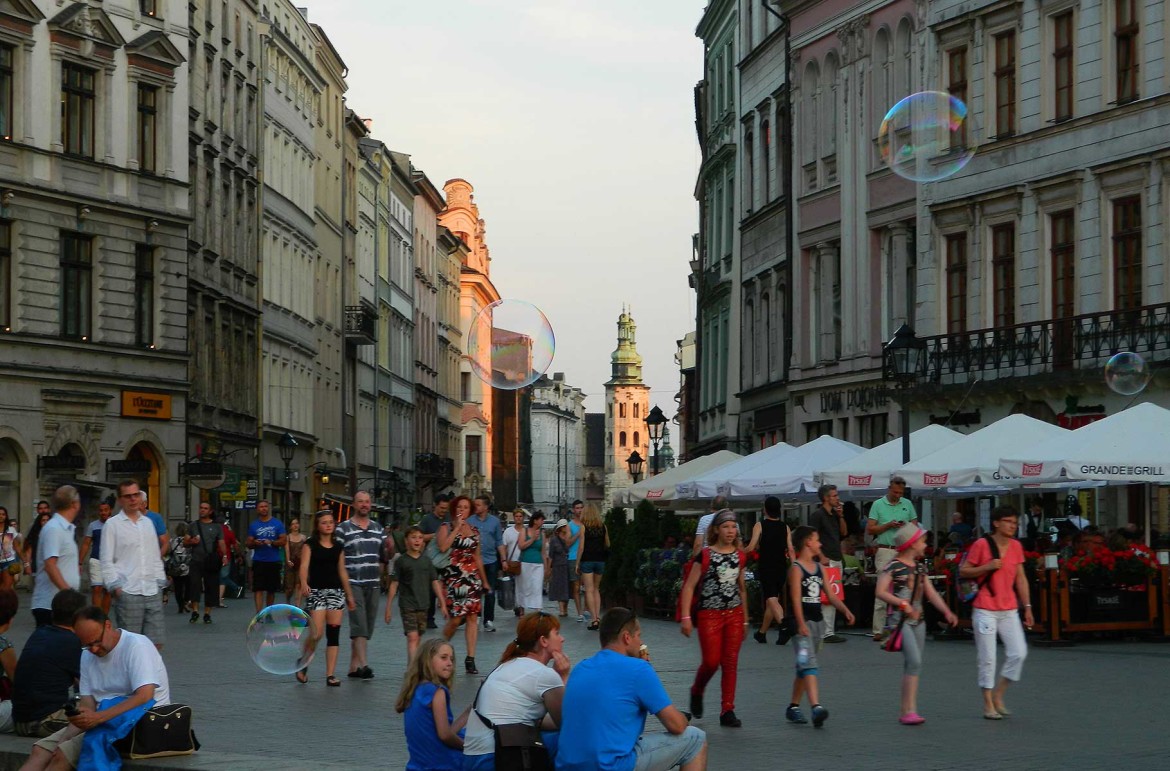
[927, 137]
[1127, 373]
[510, 344]
[280, 639]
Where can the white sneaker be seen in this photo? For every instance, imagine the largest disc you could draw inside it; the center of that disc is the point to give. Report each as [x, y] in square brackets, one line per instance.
[489, 626]
[580, 619]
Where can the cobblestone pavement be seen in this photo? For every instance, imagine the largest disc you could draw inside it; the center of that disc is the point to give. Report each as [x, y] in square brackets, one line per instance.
[1095, 705]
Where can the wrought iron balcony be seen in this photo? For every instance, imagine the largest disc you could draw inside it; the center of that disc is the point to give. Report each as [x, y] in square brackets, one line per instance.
[1082, 342]
[428, 465]
[361, 325]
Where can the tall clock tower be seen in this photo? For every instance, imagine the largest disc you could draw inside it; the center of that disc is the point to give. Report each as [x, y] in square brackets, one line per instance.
[627, 400]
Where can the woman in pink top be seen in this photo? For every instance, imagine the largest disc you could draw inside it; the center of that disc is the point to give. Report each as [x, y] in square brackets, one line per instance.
[1003, 588]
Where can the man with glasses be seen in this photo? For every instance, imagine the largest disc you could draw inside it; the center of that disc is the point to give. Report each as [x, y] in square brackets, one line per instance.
[132, 567]
[114, 663]
[58, 563]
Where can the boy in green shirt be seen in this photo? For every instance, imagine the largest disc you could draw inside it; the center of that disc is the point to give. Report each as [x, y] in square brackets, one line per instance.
[418, 578]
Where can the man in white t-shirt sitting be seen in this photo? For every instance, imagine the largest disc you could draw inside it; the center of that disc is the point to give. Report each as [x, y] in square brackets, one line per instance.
[114, 663]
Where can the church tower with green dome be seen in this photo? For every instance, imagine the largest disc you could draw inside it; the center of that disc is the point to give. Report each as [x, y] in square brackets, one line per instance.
[627, 402]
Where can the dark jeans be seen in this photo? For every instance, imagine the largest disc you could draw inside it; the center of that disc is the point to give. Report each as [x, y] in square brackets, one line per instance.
[206, 583]
[489, 592]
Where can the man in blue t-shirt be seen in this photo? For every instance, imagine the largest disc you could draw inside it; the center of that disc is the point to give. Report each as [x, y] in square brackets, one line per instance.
[266, 539]
[608, 697]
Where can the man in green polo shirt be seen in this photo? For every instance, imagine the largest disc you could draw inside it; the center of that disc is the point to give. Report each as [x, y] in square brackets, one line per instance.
[886, 515]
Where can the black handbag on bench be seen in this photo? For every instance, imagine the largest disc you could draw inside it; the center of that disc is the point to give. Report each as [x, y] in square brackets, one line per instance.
[161, 731]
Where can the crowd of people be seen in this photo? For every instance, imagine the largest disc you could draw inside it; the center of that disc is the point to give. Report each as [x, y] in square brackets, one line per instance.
[459, 563]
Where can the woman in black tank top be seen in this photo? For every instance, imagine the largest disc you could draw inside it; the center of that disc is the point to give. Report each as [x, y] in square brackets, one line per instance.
[774, 541]
[325, 585]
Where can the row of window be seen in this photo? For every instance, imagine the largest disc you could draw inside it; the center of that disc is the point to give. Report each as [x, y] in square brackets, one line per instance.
[872, 430]
[1125, 244]
[76, 301]
[1122, 65]
[622, 410]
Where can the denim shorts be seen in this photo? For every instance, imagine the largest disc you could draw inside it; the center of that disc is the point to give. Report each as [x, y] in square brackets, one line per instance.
[663, 751]
[592, 567]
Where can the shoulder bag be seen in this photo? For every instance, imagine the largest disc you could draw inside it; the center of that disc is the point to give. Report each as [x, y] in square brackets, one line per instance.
[440, 559]
[893, 642]
[518, 746]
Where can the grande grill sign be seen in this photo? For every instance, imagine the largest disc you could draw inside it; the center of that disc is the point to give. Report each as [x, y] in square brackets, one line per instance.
[935, 480]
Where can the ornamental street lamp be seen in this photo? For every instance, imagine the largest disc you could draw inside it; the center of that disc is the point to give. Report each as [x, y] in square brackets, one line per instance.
[655, 424]
[635, 463]
[904, 362]
[288, 447]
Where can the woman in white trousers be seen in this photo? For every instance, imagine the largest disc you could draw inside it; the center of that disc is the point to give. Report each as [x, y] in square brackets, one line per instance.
[533, 560]
[996, 561]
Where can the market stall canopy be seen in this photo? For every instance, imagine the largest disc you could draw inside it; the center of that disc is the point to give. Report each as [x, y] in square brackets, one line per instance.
[974, 459]
[661, 488]
[706, 485]
[871, 470]
[780, 473]
[1128, 446]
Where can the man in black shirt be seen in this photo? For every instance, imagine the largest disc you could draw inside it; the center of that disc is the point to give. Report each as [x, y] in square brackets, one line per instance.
[829, 520]
[49, 666]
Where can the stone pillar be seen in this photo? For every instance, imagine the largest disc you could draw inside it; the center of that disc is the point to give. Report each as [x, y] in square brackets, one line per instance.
[897, 275]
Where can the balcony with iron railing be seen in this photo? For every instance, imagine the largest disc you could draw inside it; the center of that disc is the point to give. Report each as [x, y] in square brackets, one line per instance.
[1049, 347]
[361, 325]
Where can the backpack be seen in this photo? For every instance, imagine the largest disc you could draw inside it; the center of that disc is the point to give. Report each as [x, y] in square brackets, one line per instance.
[969, 587]
[704, 557]
[178, 562]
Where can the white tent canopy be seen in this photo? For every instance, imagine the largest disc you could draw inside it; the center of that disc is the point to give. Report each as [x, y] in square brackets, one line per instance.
[1128, 446]
[775, 471]
[660, 489]
[706, 485]
[974, 459]
[871, 470]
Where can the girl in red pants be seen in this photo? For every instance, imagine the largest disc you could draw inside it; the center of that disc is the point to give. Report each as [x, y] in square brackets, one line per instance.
[722, 614]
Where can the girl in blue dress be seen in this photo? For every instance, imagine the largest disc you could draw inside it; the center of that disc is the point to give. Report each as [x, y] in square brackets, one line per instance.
[434, 739]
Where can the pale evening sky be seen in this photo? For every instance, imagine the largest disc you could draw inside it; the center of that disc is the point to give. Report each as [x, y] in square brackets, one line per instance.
[574, 122]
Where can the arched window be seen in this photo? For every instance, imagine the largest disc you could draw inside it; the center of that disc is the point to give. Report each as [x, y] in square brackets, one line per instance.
[749, 169]
[903, 60]
[766, 323]
[829, 108]
[622, 412]
[810, 97]
[622, 439]
[636, 408]
[748, 365]
[882, 95]
[637, 440]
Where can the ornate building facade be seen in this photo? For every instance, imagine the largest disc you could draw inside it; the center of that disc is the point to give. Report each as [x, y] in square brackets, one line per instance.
[94, 212]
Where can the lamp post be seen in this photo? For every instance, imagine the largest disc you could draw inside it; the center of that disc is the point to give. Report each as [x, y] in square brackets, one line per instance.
[655, 423]
[635, 463]
[288, 448]
[903, 362]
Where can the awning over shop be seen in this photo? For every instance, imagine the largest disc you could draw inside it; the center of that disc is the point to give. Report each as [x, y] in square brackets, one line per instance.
[1126, 447]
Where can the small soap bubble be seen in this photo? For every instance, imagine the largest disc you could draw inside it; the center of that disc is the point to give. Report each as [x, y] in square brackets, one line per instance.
[280, 639]
[927, 137]
[1127, 373]
[510, 344]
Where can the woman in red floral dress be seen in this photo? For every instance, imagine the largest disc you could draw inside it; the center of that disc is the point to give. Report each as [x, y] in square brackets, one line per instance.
[464, 578]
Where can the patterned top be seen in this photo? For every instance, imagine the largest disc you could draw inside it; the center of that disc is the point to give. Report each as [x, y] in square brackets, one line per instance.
[719, 586]
[901, 586]
[362, 549]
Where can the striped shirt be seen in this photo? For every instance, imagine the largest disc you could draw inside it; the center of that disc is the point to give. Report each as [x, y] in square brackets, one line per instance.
[362, 550]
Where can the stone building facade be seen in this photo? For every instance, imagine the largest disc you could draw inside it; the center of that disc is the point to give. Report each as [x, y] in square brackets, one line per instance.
[223, 248]
[1047, 253]
[93, 249]
[557, 447]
